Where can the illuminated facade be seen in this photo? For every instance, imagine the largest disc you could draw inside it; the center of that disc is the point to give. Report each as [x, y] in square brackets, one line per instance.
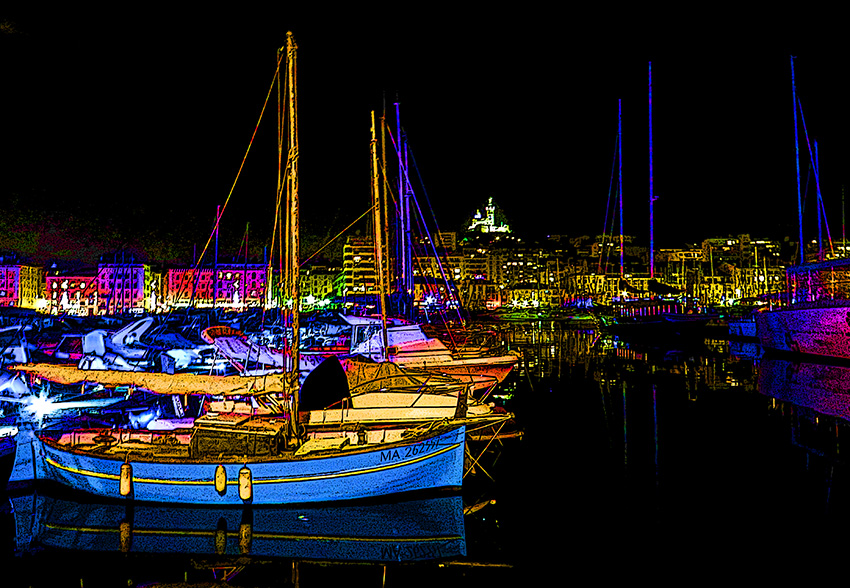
[22, 286]
[73, 295]
[125, 288]
[479, 294]
[358, 267]
[486, 223]
[230, 286]
[317, 284]
[474, 264]
[188, 287]
[487, 271]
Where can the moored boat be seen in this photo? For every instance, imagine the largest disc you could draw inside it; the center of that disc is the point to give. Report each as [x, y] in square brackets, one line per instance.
[236, 460]
[8, 447]
[816, 317]
[815, 322]
[263, 455]
[407, 346]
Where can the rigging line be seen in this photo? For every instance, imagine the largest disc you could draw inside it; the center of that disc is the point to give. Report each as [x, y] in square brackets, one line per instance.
[608, 204]
[338, 235]
[276, 228]
[449, 291]
[424, 192]
[820, 205]
[238, 173]
[436, 225]
[806, 187]
[424, 223]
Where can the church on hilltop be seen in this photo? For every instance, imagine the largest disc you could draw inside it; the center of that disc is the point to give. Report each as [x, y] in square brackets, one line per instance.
[487, 223]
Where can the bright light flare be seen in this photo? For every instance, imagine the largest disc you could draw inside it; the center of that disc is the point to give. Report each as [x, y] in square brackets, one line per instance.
[40, 406]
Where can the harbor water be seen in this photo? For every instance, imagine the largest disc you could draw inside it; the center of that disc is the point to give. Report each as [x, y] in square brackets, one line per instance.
[680, 461]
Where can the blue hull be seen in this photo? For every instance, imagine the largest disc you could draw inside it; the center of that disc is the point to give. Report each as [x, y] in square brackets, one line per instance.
[413, 530]
[7, 460]
[425, 464]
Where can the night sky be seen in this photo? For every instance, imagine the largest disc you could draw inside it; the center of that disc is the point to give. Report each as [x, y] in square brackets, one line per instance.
[141, 119]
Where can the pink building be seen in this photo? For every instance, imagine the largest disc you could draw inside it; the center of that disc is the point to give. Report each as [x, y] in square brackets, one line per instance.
[21, 285]
[74, 295]
[125, 287]
[232, 286]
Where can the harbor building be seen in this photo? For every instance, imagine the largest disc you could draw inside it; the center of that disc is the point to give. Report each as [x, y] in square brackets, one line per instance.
[490, 221]
[317, 283]
[22, 285]
[234, 286]
[358, 268]
[124, 288]
[75, 295]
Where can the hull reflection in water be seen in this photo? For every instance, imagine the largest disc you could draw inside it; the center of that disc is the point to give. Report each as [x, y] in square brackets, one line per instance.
[413, 530]
[821, 387]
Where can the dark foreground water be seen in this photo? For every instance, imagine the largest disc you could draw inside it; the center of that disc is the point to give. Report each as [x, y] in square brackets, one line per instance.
[685, 464]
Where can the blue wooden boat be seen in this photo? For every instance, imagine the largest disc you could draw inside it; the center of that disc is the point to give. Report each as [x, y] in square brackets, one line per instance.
[224, 460]
[8, 447]
[430, 528]
[263, 456]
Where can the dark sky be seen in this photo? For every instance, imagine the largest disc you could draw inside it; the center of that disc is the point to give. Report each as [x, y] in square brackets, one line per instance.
[147, 114]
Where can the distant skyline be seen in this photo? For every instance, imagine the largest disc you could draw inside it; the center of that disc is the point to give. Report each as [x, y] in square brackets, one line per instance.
[145, 119]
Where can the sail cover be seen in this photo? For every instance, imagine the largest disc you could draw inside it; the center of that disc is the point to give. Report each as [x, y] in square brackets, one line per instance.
[161, 383]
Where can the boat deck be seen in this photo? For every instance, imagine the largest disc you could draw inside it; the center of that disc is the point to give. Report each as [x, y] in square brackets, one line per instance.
[228, 443]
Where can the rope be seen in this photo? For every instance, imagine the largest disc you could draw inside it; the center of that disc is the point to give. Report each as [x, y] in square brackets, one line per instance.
[242, 165]
[338, 235]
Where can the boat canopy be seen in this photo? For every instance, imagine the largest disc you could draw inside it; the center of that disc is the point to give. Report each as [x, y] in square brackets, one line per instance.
[162, 383]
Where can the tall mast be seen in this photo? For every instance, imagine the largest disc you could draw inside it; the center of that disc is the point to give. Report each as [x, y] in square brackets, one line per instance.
[620, 175]
[384, 203]
[401, 230]
[279, 193]
[404, 191]
[651, 195]
[797, 154]
[215, 262]
[821, 212]
[379, 242]
[293, 241]
[245, 272]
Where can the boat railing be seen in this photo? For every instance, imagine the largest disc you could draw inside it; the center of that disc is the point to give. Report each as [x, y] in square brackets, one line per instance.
[820, 303]
[109, 437]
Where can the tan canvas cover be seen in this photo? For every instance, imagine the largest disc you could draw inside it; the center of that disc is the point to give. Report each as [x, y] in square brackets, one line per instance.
[368, 376]
[161, 383]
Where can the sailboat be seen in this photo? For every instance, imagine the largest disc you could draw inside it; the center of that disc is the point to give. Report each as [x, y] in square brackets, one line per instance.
[379, 338]
[815, 320]
[265, 455]
[407, 345]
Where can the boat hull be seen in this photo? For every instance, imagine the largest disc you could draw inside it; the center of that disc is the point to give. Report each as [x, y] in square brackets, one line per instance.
[8, 446]
[742, 329]
[424, 464]
[466, 370]
[823, 331]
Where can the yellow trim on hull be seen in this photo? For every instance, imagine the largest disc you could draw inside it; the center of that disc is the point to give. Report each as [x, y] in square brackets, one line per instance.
[211, 481]
[194, 533]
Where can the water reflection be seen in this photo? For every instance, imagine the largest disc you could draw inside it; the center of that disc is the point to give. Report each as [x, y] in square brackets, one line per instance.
[811, 401]
[665, 455]
[58, 528]
[823, 388]
[681, 439]
[413, 530]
